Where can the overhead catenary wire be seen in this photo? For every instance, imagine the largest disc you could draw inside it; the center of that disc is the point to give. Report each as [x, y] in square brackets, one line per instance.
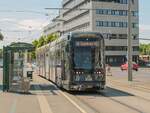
[27, 11]
[144, 39]
[55, 8]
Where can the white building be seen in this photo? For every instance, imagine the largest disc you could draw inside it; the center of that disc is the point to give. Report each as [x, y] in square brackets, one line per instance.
[109, 17]
[55, 26]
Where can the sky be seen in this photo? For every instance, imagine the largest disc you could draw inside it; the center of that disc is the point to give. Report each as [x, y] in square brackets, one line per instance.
[24, 26]
[144, 16]
[27, 26]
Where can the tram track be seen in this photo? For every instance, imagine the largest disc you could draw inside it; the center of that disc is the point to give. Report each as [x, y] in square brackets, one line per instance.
[141, 88]
[74, 99]
[105, 95]
[84, 106]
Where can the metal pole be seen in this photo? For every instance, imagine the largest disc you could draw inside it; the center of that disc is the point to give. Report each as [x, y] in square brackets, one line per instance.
[129, 42]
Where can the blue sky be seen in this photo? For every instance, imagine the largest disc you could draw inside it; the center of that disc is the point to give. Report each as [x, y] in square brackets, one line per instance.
[144, 15]
[17, 26]
[20, 23]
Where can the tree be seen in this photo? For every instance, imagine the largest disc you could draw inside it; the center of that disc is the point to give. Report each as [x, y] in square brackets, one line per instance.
[35, 43]
[145, 49]
[43, 40]
[1, 53]
[1, 36]
[51, 37]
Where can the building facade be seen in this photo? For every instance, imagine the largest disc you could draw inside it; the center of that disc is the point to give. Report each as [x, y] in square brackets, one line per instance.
[109, 17]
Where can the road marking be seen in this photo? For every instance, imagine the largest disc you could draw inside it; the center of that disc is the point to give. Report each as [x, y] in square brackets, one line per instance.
[13, 107]
[44, 106]
[68, 98]
[74, 103]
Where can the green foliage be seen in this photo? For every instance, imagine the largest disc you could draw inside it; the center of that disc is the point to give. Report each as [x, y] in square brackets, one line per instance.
[1, 36]
[145, 49]
[33, 55]
[43, 40]
[1, 53]
[35, 43]
[50, 38]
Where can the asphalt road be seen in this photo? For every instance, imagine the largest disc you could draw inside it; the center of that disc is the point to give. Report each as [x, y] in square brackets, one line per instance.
[119, 97]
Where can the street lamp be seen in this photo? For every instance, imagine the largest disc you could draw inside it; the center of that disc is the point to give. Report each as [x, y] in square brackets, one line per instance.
[129, 42]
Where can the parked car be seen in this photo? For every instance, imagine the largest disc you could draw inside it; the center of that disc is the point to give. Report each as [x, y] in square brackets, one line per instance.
[135, 66]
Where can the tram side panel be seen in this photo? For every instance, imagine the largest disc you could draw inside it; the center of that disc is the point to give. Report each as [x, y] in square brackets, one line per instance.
[52, 65]
[43, 66]
[39, 61]
[46, 66]
[58, 64]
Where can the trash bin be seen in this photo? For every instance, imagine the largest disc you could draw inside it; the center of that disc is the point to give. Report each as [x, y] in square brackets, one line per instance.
[24, 85]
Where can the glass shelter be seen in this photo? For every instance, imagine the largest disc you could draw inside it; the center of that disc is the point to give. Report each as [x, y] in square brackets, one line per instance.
[16, 58]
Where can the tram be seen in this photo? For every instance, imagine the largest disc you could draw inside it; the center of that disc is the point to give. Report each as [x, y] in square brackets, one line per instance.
[75, 61]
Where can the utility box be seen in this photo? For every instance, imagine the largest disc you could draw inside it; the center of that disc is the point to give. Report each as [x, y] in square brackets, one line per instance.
[16, 58]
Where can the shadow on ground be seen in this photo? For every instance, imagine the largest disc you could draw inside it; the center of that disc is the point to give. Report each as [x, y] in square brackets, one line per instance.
[43, 89]
[36, 89]
[1, 87]
[108, 92]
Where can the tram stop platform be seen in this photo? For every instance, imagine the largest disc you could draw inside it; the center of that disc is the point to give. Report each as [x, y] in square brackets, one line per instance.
[140, 85]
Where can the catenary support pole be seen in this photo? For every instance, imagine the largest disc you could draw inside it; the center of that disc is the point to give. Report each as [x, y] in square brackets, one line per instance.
[129, 42]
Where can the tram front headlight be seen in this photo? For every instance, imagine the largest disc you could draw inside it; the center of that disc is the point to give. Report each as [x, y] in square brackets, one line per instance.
[79, 72]
[97, 72]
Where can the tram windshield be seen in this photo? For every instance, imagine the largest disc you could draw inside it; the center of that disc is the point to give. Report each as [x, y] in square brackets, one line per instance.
[87, 58]
[83, 58]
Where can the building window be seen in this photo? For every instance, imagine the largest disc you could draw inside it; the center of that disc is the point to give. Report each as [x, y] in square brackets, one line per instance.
[115, 1]
[136, 48]
[116, 48]
[111, 24]
[112, 12]
[120, 48]
[135, 25]
[123, 1]
[115, 12]
[135, 13]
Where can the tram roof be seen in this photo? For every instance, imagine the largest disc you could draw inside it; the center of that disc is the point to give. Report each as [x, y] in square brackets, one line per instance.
[64, 37]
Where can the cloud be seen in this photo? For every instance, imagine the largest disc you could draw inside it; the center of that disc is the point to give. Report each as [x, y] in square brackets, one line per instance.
[144, 28]
[32, 24]
[145, 33]
[7, 19]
